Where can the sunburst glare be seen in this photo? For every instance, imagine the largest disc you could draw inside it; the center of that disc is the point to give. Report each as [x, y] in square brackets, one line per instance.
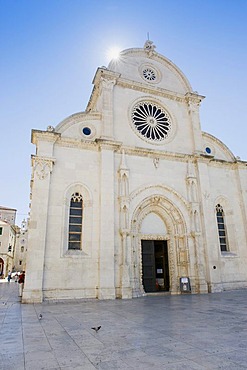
[113, 53]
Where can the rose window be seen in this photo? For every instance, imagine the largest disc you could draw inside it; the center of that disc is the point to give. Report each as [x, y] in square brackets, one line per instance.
[149, 74]
[151, 121]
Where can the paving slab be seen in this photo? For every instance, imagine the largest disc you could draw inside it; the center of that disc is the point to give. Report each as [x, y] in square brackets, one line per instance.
[194, 332]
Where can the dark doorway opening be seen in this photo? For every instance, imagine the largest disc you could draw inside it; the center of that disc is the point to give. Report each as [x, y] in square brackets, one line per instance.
[155, 268]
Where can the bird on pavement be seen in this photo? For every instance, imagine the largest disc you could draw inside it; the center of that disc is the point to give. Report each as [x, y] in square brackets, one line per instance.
[96, 329]
[40, 316]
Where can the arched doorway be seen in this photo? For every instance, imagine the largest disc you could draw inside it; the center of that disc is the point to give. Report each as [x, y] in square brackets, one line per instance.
[1, 266]
[159, 240]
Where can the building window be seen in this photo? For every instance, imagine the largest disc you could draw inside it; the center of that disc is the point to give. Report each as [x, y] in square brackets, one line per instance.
[75, 221]
[151, 121]
[10, 248]
[221, 228]
[20, 263]
[1, 231]
[22, 248]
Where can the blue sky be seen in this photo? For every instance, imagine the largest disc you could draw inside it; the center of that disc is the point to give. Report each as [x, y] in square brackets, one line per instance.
[50, 50]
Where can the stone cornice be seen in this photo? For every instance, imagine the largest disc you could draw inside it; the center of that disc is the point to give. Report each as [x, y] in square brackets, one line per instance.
[78, 117]
[44, 136]
[214, 162]
[152, 90]
[155, 153]
[109, 144]
[189, 97]
[36, 158]
[77, 143]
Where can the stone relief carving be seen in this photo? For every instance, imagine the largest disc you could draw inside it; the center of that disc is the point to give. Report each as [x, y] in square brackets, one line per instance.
[50, 129]
[158, 187]
[42, 167]
[149, 47]
[108, 83]
[156, 162]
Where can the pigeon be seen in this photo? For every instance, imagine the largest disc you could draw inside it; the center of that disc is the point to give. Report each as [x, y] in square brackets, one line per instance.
[40, 316]
[96, 329]
[4, 303]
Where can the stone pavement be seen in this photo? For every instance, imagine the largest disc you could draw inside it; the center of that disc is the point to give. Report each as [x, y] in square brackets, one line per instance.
[159, 332]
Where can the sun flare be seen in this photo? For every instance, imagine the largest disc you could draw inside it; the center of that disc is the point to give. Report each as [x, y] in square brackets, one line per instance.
[114, 53]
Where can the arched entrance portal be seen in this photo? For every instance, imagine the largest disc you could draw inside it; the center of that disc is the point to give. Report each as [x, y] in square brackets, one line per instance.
[159, 247]
[1, 266]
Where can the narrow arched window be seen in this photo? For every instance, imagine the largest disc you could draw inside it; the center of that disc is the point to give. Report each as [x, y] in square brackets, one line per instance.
[75, 221]
[221, 228]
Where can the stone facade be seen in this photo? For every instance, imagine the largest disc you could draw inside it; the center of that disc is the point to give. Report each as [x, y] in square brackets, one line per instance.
[21, 247]
[7, 248]
[139, 170]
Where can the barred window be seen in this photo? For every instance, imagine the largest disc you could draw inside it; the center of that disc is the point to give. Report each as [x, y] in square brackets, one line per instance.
[75, 221]
[221, 228]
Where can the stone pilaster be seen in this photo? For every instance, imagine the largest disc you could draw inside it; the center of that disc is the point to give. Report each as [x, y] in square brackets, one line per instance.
[107, 84]
[198, 261]
[106, 286]
[123, 172]
[40, 188]
[193, 101]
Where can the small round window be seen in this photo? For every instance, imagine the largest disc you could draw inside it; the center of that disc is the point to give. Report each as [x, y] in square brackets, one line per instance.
[151, 121]
[86, 131]
[208, 150]
[149, 74]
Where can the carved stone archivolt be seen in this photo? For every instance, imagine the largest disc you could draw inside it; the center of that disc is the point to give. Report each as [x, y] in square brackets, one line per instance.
[42, 167]
[178, 253]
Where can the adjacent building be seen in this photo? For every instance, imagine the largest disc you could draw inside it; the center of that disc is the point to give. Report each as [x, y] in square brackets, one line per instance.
[7, 239]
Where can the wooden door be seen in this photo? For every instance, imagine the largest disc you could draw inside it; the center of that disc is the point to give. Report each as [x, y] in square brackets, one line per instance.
[148, 266]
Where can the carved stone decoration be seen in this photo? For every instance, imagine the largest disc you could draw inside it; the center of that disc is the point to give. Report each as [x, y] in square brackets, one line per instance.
[149, 47]
[123, 174]
[42, 167]
[50, 129]
[191, 170]
[206, 194]
[191, 183]
[156, 162]
[176, 229]
[108, 83]
[193, 101]
[195, 219]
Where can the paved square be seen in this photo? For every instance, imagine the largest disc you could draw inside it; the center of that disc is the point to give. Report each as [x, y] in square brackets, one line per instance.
[183, 332]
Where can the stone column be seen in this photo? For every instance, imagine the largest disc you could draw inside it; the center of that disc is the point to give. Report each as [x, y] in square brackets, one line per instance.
[40, 188]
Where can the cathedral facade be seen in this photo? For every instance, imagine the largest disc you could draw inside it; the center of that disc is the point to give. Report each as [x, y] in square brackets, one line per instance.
[131, 197]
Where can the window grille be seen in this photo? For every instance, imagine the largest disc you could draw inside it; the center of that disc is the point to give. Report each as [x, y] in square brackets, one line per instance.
[221, 228]
[75, 221]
